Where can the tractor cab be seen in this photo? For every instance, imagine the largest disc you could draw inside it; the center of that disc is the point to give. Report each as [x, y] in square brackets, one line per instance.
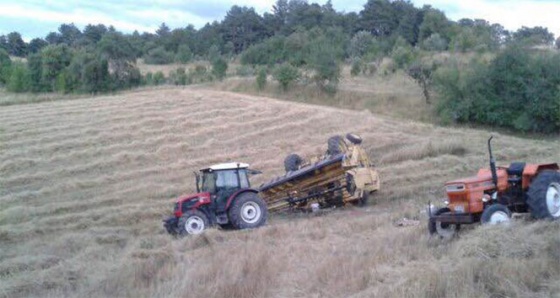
[223, 180]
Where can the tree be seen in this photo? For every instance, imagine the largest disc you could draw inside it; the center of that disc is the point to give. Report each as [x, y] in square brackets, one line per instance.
[35, 45]
[16, 45]
[323, 59]
[158, 56]
[379, 18]
[435, 43]
[219, 68]
[360, 44]
[18, 80]
[558, 43]
[434, 21]
[285, 74]
[242, 27]
[69, 34]
[5, 66]
[93, 33]
[54, 59]
[534, 36]
[118, 52]
[261, 78]
[422, 74]
[184, 54]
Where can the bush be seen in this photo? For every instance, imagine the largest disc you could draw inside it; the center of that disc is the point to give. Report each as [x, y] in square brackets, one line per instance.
[323, 59]
[179, 77]
[184, 54]
[5, 65]
[356, 67]
[402, 56]
[18, 79]
[518, 90]
[219, 68]
[261, 78]
[245, 71]
[285, 74]
[435, 43]
[158, 56]
[159, 78]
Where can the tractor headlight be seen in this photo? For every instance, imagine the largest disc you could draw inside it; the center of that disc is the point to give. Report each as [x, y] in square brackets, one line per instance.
[446, 202]
[486, 198]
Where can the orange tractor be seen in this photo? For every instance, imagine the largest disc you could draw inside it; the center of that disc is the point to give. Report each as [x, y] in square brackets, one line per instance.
[494, 194]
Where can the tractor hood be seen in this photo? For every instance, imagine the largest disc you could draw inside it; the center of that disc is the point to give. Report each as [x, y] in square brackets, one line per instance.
[193, 196]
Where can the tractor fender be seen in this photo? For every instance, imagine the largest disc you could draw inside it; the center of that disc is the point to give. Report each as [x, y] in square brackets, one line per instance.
[237, 193]
[531, 170]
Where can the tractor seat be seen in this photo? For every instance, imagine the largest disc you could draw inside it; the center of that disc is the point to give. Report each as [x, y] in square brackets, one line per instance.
[516, 169]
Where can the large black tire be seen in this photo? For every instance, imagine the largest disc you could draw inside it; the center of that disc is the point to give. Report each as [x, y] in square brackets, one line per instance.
[443, 230]
[336, 145]
[495, 214]
[354, 138]
[543, 196]
[192, 222]
[248, 211]
[292, 162]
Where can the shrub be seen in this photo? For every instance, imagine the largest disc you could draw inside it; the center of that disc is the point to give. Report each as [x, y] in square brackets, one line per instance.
[5, 65]
[184, 54]
[159, 78]
[244, 71]
[518, 89]
[179, 77]
[219, 68]
[158, 56]
[285, 74]
[261, 78]
[435, 43]
[402, 56]
[18, 79]
[356, 67]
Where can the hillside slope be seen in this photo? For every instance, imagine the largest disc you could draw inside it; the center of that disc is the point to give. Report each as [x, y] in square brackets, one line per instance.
[85, 183]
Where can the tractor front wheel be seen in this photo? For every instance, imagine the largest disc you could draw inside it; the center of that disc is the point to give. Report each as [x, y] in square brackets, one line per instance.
[193, 222]
[443, 230]
[248, 211]
[495, 214]
[543, 196]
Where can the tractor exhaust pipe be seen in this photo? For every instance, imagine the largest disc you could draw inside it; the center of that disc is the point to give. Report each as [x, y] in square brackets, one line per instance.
[492, 163]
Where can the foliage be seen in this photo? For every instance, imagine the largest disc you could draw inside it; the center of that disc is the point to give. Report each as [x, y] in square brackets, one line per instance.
[534, 36]
[5, 66]
[518, 89]
[402, 54]
[356, 67]
[159, 78]
[323, 59]
[285, 74]
[158, 56]
[261, 78]
[434, 43]
[184, 54]
[179, 77]
[18, 80]
[360, 44]
[422, 74]
[219, 68]
[244, 71]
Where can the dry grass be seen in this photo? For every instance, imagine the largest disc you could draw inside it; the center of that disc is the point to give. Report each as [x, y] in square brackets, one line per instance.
[84, 184]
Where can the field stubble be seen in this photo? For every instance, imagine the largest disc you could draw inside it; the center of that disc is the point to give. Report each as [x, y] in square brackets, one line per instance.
[85, 183]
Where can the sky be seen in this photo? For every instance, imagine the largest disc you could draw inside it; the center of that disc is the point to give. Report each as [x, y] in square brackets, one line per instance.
[36, 18]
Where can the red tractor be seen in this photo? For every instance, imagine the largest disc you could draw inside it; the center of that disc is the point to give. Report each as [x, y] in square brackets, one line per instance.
[494, 194]
[224, 198]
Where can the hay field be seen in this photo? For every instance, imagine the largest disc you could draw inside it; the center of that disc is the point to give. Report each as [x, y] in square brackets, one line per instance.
[85, 183]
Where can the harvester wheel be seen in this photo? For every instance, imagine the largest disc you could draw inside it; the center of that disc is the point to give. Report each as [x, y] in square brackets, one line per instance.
[354, 138]
[543, 196]
[336, 145]
[248, 211]
[363, 200]
[192, 222]
[292, 162]
[443, 230]
[495, 214]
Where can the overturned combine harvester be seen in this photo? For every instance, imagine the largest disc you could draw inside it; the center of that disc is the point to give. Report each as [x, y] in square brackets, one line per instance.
[344, 175]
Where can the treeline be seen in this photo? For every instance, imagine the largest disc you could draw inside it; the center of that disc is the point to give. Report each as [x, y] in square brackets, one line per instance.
[298, 39]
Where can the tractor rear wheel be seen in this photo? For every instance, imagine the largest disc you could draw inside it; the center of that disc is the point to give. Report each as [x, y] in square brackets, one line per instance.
[292, 162]
[354, 138]
[543, 196]
[495, 214]
[443, 230]
[193, 222]
[248, 211]
[335, 145]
